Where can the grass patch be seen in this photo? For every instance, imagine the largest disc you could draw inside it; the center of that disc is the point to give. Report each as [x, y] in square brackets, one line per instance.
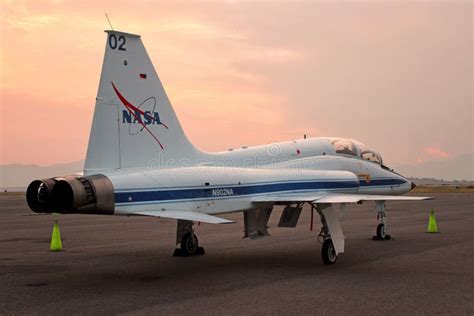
[12, 193]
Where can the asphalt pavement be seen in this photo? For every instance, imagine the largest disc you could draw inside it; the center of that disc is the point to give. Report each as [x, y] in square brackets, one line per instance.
[120, 265]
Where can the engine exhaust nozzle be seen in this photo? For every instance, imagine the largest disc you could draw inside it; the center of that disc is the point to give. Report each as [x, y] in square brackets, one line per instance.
[72, 194]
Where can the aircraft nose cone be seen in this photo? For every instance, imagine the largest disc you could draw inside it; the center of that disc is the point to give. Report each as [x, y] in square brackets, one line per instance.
[413, 185]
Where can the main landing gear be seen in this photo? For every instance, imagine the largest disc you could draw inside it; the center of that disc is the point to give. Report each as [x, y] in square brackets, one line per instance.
[187, 240]
[328, 250]
[381, 227]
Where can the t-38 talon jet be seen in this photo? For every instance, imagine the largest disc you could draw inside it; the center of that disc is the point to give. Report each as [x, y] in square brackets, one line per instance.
[140, 162]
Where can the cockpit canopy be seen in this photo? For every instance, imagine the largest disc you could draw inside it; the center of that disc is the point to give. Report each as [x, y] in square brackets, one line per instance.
[344, 146]
[371, 156]
[353, 148]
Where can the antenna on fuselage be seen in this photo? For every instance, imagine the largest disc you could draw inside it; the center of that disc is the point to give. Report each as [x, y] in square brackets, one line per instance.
[109, 21]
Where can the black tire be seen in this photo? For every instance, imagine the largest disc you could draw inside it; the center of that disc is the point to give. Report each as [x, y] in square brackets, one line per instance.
[189, 244]
[328, 252]
[381, 234]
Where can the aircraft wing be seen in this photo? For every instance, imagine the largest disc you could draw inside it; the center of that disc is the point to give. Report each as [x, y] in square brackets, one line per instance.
[333, 198]
[186, 215]
[288, 197]
[354, 198]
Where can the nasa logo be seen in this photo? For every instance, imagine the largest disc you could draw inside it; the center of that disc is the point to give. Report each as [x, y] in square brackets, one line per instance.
[147, 118]
[222, 192]
[137, 115]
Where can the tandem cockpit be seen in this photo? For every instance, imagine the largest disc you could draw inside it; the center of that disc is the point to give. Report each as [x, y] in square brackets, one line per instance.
[348, 147]
[353, 149]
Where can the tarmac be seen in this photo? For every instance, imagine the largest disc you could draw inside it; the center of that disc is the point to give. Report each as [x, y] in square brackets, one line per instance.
[124, 265]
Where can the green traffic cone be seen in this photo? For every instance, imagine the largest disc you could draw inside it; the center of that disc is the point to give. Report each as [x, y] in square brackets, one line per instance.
[432, 226]
[56, 244]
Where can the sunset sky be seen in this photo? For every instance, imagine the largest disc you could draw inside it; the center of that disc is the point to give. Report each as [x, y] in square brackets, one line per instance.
[395, 75]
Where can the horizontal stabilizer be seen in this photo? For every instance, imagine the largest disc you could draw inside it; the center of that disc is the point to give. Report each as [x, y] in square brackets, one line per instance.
[187, 216]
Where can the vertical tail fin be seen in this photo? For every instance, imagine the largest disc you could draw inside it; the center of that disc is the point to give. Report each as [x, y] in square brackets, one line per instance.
[134, 124]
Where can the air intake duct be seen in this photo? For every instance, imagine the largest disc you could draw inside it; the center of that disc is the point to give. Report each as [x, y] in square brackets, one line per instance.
[72, 194]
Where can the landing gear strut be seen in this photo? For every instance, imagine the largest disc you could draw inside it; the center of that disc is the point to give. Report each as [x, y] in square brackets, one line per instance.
[328, 251]
[381, 227]
[187, 240]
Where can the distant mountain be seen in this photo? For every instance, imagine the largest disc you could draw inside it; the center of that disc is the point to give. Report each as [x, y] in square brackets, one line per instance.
[16, 177]
[456, 168]
[438, 182]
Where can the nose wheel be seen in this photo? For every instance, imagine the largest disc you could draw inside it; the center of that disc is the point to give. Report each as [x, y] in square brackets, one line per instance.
[381, 232]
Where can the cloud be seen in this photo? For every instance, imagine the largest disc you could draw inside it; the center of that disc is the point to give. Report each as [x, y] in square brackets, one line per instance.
[279, 69]
[193, 27]
[436, 152]
[32, 22]
[273, 55]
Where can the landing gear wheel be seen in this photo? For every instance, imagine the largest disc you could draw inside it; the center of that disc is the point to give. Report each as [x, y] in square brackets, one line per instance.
[328, 252]
[189, 244]
[381, 231]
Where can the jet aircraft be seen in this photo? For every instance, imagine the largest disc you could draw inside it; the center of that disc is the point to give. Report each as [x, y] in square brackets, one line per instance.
[140, 162]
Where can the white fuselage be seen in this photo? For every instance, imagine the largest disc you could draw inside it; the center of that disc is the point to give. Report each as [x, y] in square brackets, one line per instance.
[228, 181]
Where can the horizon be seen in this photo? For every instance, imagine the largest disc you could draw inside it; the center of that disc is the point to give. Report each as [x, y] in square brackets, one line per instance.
[434, 159]
[403, 88]
[456, 170]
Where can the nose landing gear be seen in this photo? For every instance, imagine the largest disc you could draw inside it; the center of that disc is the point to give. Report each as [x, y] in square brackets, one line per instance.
[381, 227]
[381, 231]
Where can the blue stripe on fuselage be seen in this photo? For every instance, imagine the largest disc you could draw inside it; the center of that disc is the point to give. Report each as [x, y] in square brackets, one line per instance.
[381, 182]
[131, 196]
[237, 190]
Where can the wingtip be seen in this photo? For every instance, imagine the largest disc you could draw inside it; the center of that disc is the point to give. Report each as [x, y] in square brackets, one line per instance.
[228, 222]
